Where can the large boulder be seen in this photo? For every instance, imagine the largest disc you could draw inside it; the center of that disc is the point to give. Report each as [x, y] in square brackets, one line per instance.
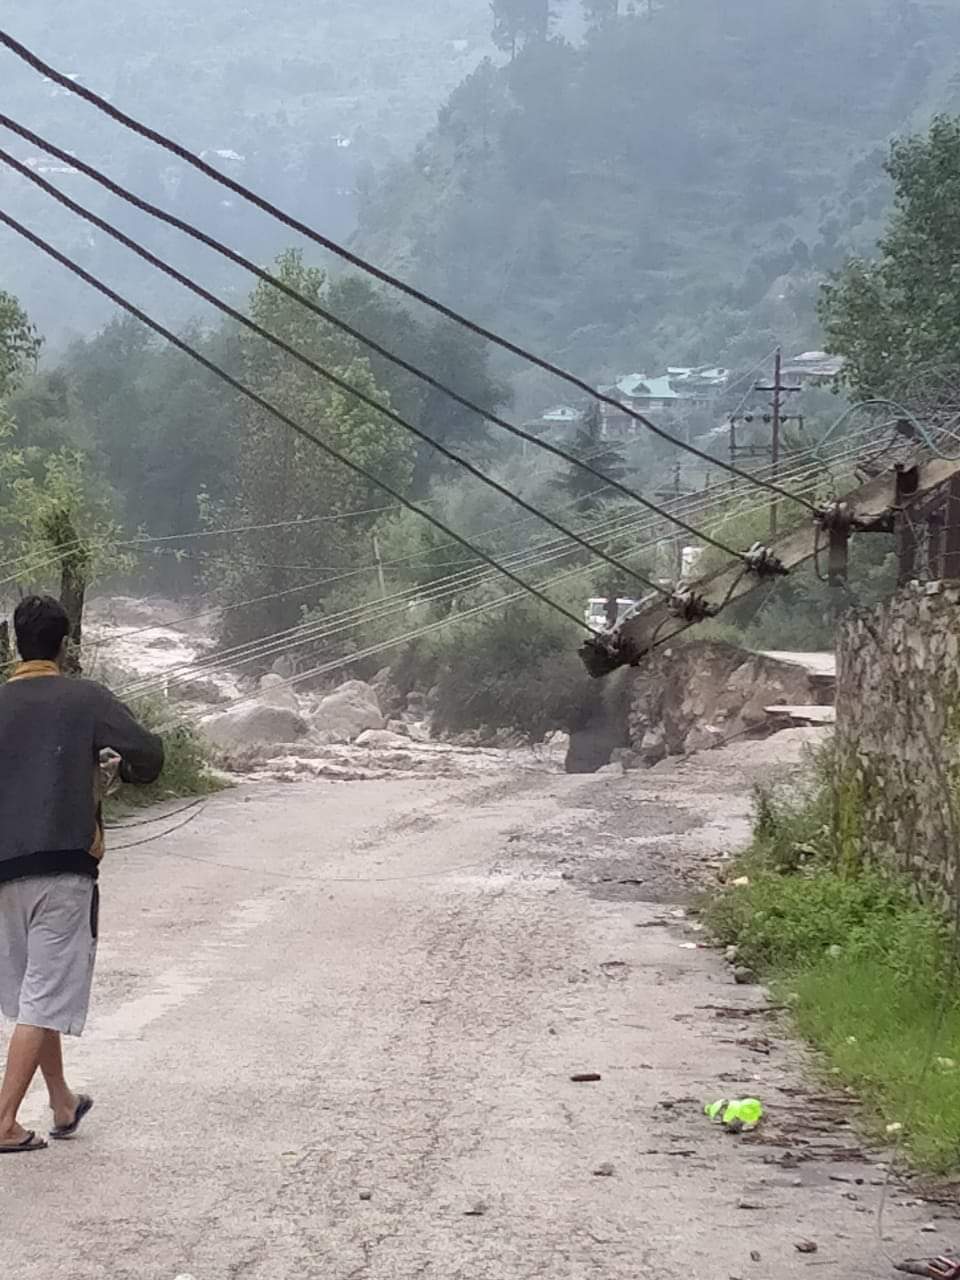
[275, 693]
[382, 739]
[254, 726]
[349, 711]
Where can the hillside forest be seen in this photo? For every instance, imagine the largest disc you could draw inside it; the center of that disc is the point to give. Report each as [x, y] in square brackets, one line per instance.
[621, 187]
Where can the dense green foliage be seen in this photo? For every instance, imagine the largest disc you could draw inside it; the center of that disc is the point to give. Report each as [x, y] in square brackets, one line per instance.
[515, 669]
[282, 478]
[898, 314]
[19, 343]
[671, 188]
[867, 972]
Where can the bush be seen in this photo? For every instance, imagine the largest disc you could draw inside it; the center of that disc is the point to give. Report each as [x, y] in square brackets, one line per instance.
[515, 669]
[186, 769]
[782, 922]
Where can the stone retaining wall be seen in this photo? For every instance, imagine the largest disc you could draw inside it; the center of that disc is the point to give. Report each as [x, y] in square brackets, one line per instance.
[898, 738]
[686, 698]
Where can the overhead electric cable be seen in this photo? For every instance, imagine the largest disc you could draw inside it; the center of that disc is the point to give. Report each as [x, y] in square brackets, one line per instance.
[269, 278]
[264, 404]
[168, 144]
[430, 593]
[308, 362]
[376, 610]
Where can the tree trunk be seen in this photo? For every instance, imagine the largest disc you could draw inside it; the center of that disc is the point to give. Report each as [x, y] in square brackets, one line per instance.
[74, 569]
[73, 589]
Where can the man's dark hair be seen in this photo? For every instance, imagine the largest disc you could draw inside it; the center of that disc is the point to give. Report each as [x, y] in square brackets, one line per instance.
[41, 624]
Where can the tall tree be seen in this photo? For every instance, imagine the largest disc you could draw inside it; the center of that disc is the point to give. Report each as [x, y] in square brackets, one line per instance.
[454, 356]
[288, 482]
[519, 22]
[590, 446]
[19, 343]
[901, 310]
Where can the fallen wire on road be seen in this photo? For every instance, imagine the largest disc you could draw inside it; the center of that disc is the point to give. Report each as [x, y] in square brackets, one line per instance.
[135, 844]
[158, 817]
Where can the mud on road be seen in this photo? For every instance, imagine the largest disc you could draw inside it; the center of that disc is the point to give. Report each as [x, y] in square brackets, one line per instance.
[336, 1028]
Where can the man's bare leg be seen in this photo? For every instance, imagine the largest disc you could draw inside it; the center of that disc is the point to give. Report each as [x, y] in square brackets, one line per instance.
[23, 1059]
[63, 1100]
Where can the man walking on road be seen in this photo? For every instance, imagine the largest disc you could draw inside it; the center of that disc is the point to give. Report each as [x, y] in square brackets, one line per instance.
[52, 731]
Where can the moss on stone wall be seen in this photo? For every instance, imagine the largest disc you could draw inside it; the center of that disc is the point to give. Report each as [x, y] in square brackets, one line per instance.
[848, 819]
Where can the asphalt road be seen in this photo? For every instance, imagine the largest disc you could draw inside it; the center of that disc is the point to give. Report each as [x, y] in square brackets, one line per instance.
[334, 1032]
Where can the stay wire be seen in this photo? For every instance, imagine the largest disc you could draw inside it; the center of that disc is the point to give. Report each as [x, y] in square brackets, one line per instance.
[361, 264]
[334, 379]
[583, 462]
[264, 404]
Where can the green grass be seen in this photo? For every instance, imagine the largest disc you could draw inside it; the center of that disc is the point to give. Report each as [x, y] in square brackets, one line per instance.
[891, 1041]
[867, 971]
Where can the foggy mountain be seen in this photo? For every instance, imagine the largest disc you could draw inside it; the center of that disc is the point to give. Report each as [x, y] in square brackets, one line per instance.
[672, 188]
[659, 181]
[302, 100]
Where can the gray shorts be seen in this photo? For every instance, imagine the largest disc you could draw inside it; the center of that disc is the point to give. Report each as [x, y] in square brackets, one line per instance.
[48, 945]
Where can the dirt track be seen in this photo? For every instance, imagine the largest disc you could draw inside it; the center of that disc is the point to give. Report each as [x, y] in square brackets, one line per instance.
[382, 991]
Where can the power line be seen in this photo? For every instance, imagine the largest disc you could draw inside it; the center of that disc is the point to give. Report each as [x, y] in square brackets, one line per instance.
[427, 594]
[264, 404]
[269, 278]
[133, 543]
[368, 611]
[159, 139]
[307, 361]
[352, 573]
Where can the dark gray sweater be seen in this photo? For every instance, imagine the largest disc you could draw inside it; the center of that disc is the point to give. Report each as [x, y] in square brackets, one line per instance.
[52, 730]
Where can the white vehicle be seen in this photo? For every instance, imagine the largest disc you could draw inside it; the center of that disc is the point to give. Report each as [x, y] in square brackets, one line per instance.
[596, 616]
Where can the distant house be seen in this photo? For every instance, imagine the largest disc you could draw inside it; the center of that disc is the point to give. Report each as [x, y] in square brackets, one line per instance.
[701, 382]
[560, 415]
[813, 367]
[681, 387]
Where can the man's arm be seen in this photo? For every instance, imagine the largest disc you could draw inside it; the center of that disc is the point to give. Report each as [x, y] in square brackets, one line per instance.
[140, 751]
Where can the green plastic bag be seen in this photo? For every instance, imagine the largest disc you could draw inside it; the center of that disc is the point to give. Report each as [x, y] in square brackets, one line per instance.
[739, 1116]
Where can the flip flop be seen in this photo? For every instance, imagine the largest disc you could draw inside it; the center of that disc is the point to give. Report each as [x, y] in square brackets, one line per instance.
[30, 1143]
[84, 1107]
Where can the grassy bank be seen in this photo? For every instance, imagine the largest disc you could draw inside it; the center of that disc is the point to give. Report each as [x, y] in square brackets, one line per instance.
[867, 971]
[186, 770]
